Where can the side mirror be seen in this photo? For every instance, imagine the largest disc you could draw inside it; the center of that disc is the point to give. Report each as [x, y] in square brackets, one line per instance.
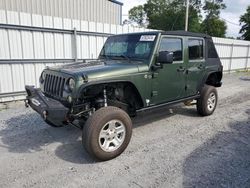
[165, 57]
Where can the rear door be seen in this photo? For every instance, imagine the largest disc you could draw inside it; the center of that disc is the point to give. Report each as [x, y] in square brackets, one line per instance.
[195, 64]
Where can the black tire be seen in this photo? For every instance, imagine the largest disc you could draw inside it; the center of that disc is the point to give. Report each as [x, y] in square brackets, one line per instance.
[203, 107]
[52, 124]
[96, 123]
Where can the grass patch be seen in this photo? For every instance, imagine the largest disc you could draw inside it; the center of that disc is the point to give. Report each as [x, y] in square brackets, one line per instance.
[245, 71]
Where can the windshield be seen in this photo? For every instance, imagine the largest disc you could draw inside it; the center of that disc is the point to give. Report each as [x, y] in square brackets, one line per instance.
[130, 47]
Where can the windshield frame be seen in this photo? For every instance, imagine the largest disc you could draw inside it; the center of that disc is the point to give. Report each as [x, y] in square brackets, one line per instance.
[128, 58]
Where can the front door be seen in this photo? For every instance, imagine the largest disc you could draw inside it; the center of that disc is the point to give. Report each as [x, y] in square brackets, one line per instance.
[168, 82]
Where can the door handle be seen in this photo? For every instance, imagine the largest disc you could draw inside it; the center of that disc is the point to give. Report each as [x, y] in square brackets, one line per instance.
[180, 69]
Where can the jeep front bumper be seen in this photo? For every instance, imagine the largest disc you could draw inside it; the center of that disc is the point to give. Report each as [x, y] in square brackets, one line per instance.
[51, 110]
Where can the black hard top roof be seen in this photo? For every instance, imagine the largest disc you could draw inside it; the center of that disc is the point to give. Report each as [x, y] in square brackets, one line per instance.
[180, 33]
[186, 33]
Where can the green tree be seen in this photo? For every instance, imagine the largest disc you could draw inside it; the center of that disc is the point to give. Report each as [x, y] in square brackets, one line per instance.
[245, 28]
[212, 24]
[138, 15]
[170, 15]
[167, 15]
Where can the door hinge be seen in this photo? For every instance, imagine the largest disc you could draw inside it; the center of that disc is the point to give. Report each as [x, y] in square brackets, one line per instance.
[154, 93]
[155, 75]
[148, 76]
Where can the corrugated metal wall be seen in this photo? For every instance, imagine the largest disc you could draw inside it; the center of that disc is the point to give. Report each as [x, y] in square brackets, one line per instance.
[104, 11]
[27, 47]
[234, 54]
[42, 41]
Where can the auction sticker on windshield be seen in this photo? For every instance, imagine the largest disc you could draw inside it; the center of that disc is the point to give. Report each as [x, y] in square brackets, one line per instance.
[147, 38]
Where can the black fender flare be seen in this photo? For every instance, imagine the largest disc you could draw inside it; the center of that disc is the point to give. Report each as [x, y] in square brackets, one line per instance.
[106, 82]
[206, 76]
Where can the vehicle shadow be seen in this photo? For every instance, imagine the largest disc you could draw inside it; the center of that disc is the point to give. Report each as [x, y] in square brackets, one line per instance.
[246, 77]
[223, 161]
[29, 133]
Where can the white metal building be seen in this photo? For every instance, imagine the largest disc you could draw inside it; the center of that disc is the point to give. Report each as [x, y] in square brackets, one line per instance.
[105, 11]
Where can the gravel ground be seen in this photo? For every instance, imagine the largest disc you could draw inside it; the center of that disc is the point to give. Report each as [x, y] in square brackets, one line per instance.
[177, 149]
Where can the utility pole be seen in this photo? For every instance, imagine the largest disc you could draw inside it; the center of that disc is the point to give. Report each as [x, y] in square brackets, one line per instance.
[187, 9]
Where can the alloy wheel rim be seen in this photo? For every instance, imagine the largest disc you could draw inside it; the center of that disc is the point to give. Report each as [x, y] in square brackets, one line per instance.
[112, 135]
[211, 102]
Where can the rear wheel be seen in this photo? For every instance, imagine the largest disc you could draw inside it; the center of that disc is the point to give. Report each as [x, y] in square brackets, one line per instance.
[107, 133]
[207, 103]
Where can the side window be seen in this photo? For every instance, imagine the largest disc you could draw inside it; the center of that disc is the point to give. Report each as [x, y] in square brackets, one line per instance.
[195, 49]
[172, 45]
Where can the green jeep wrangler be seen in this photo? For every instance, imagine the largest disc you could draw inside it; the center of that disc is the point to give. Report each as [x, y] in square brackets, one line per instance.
[134, 72]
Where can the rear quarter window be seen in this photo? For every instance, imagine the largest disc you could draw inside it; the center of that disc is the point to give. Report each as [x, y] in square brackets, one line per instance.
[211, 51]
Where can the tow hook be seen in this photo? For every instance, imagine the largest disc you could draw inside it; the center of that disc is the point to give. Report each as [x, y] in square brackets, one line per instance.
[26, 103]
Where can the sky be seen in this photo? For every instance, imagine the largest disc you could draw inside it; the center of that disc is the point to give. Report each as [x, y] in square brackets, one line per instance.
[231, 14]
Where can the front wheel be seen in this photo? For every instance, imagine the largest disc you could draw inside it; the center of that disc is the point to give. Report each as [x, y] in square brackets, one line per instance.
[107, 133]
[207, 102]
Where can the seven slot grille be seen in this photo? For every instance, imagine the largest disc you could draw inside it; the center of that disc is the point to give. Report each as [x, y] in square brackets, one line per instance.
[54, 85]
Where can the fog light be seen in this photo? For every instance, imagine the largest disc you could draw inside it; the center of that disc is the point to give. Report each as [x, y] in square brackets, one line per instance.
[69, 99]
[45, 113]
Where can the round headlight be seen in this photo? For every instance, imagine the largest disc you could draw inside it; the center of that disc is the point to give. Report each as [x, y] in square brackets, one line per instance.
[42, 77]
[72, 84]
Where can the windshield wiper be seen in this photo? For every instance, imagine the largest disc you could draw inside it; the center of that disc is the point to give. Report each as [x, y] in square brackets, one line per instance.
[122, 56]
[105, 56]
